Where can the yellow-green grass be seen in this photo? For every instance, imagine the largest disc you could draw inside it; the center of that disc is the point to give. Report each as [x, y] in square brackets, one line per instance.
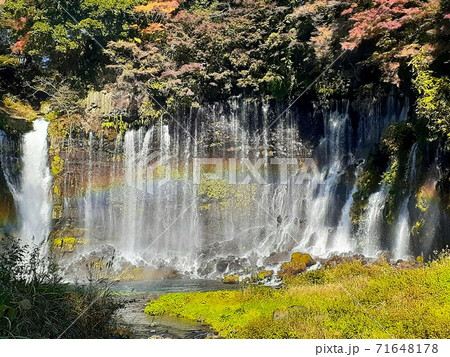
[385, 302]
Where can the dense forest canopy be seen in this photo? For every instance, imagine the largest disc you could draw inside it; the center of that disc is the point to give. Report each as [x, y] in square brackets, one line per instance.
[171, 54]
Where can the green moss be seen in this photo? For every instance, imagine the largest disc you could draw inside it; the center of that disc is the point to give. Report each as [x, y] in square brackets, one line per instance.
[13, 126]
[263, 274]
[410, 303]
[231, 279]
[433, 102]
[19, 109]
[368, 182]
[397, 142]
[115, 123]
[66, 244]
[57, 165]
[298, 264]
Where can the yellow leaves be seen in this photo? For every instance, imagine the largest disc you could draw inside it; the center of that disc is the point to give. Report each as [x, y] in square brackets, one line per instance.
[19, 109]
[164, 7]
[57, 165]
[153, 28]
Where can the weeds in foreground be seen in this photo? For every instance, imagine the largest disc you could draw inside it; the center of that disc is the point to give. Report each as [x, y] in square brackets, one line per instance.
[36, 303]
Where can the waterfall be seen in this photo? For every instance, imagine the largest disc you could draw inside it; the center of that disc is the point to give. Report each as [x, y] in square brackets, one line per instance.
[32, 190]
[371, 222]
[343, 242]
[403, 226]
[138, 193]
[318, 235]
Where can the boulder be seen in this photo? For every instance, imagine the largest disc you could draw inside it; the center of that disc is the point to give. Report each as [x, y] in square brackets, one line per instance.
[410, 264]
[338, 259]
[298, 264]
[231, 279]
[221, 265]
[276, 258]
[264, 274]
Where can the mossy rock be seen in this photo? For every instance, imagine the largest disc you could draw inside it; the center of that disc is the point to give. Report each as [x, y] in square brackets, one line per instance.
[231, 279]
[13, 126]
[303, 258]
[66, 244]
[298, 264]
[264, 274]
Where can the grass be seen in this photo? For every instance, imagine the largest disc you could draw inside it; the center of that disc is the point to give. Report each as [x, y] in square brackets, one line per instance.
[411, 303]
[35, 303]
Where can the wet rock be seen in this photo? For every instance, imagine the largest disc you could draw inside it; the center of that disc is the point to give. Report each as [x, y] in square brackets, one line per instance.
[337, 260]
[276, 258]
[163, 273]
[221, 265]
[207, 269]
[298, 264]
[235, 266]
[264, 274]
[231, 279]
[410, 264]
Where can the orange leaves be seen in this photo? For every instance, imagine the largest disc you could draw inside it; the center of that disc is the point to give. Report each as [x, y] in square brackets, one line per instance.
[159, 7]
[321, 41]
[20, 24]
[163, 7]
[19, 46]
[386, 15]
[154, 28]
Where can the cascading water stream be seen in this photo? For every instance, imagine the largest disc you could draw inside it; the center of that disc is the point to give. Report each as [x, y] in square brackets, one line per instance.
[402, 228]
[342, 241]
[148, 208]
[318, 230]
[31, 191]
[370, 227]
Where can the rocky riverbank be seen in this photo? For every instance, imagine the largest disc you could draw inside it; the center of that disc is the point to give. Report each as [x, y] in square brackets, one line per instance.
[134, 323]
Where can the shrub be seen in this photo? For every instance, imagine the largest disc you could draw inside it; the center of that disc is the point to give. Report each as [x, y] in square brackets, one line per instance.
[36, 303]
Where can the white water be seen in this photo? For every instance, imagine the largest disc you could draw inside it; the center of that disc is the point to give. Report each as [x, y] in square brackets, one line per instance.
[169, 219]
[403, 226]
[371, 223]
[343, 242]
[34, 198]
[31, 191]
[318, 235]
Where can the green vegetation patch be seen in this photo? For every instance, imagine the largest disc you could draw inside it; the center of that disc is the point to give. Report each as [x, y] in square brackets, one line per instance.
[410, 303]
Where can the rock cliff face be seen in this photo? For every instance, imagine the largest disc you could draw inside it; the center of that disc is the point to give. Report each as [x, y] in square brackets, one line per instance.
[224, 187]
